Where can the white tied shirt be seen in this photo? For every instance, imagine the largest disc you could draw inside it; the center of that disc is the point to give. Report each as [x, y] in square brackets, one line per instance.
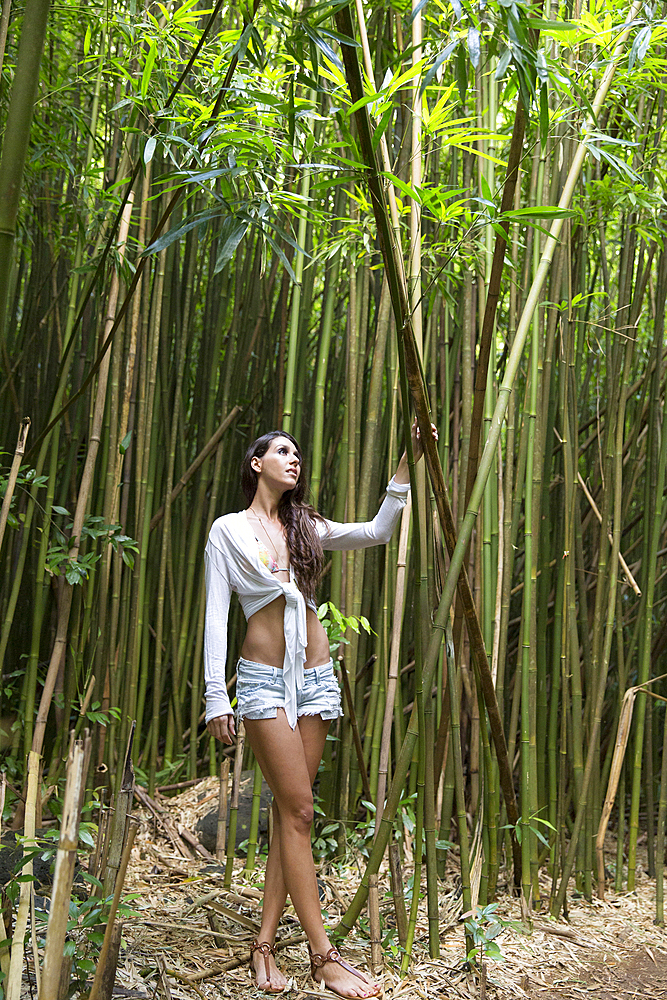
[233, 564]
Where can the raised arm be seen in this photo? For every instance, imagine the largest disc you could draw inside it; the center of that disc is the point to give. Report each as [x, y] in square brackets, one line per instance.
[361, 535]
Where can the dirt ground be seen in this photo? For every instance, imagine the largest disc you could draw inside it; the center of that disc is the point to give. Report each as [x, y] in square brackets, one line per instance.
[642, 974]
[190, 936]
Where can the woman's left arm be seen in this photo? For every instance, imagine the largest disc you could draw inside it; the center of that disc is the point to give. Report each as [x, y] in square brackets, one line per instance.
[360, 535]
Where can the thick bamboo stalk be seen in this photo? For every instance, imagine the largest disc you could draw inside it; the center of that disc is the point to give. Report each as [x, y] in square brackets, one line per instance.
[392, 681]
[60, 644]
[13, 983]
[293, 345]
[221, 835]
[101, 971]
[420, 399]
[234, 804]
[64, 873]
[122, 811]
[17, 137]
[4, 25]
[254, 819]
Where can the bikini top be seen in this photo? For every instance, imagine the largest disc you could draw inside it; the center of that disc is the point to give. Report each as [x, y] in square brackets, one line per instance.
[267, 559]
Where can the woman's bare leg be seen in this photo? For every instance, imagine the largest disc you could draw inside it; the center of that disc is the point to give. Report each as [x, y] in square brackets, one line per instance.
[313, 731]
[281, 754]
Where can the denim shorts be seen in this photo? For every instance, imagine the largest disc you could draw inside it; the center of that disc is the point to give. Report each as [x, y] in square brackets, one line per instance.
[260, 691]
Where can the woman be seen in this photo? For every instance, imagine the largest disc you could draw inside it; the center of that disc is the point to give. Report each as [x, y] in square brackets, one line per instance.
[287, 693]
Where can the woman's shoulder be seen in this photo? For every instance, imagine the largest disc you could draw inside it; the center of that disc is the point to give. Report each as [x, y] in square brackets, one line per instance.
[228, 526]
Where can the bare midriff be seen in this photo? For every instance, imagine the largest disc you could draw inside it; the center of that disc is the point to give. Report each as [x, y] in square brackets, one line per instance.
[265, 640]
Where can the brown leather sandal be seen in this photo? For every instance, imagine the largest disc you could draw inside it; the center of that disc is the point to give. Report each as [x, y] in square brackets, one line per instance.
[265, 949]
[333, 955]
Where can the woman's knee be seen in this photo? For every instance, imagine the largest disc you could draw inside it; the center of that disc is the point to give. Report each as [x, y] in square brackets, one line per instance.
[298, 812]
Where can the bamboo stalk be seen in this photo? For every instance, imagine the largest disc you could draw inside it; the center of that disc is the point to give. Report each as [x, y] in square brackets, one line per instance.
[402, 316]
[392, 681]
[64, 872]
[13, 981]
[254, 819]
[624, 566]
[60, 644]
[122, 812]
[221, 834]
[101, 973]
[234, 804]
[13, 476]
[208, 449]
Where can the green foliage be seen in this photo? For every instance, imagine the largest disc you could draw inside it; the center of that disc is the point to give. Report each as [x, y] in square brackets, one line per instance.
[27, 480]
[335, 625]
[59, 561]
[519, 828]
[484, 927]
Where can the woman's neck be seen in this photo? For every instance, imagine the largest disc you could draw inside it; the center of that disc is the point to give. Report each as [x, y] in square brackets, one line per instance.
[265, 503]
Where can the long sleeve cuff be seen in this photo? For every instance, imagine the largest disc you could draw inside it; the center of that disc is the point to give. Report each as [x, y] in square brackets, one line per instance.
[398, 490]
[217, 704]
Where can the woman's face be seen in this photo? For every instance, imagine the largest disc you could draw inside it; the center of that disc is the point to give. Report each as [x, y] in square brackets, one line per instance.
[280, 466]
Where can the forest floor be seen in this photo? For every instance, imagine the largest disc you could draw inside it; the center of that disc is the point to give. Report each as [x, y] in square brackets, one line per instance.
[189, 937]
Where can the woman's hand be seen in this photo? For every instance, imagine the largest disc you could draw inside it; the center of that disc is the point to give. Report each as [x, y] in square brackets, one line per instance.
[402, 474]
[222, 727]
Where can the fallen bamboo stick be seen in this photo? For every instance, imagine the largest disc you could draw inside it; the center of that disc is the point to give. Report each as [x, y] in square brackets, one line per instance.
[594, 507]
[622, 736]
[229, 914]
[234, 963]
[207, 450]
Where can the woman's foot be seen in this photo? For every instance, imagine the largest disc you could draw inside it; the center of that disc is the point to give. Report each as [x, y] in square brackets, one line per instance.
[340, 977]
[268, 976]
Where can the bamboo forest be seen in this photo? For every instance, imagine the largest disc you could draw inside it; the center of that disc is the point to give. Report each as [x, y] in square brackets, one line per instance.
[333, 218]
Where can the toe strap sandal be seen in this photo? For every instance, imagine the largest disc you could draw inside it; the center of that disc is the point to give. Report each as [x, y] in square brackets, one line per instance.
[333, 955]
[266, 950]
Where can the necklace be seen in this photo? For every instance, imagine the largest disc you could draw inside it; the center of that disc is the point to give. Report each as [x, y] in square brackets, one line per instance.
[261, 522]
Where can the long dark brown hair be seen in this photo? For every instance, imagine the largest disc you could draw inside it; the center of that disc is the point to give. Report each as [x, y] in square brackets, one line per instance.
[295, 514]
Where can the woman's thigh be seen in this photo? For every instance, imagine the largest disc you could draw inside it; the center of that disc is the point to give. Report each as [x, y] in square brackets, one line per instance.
[288, 757]
[313, 730]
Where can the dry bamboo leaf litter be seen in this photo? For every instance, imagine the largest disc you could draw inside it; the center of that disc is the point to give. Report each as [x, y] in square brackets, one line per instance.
[556, 960]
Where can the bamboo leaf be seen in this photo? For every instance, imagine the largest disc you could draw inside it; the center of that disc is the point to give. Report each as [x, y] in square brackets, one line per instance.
[461, 73]
[541, 212]
[441, 58]
[149, 148]
[544, 113]
[281, 254]
[474, 45]
[382, 126]
[554, 27]
[323, 46]
[148, 69]
[417, 10]
[175, 234]
[232, 232]
[406, 188]
[362, 102]
[640, 46]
